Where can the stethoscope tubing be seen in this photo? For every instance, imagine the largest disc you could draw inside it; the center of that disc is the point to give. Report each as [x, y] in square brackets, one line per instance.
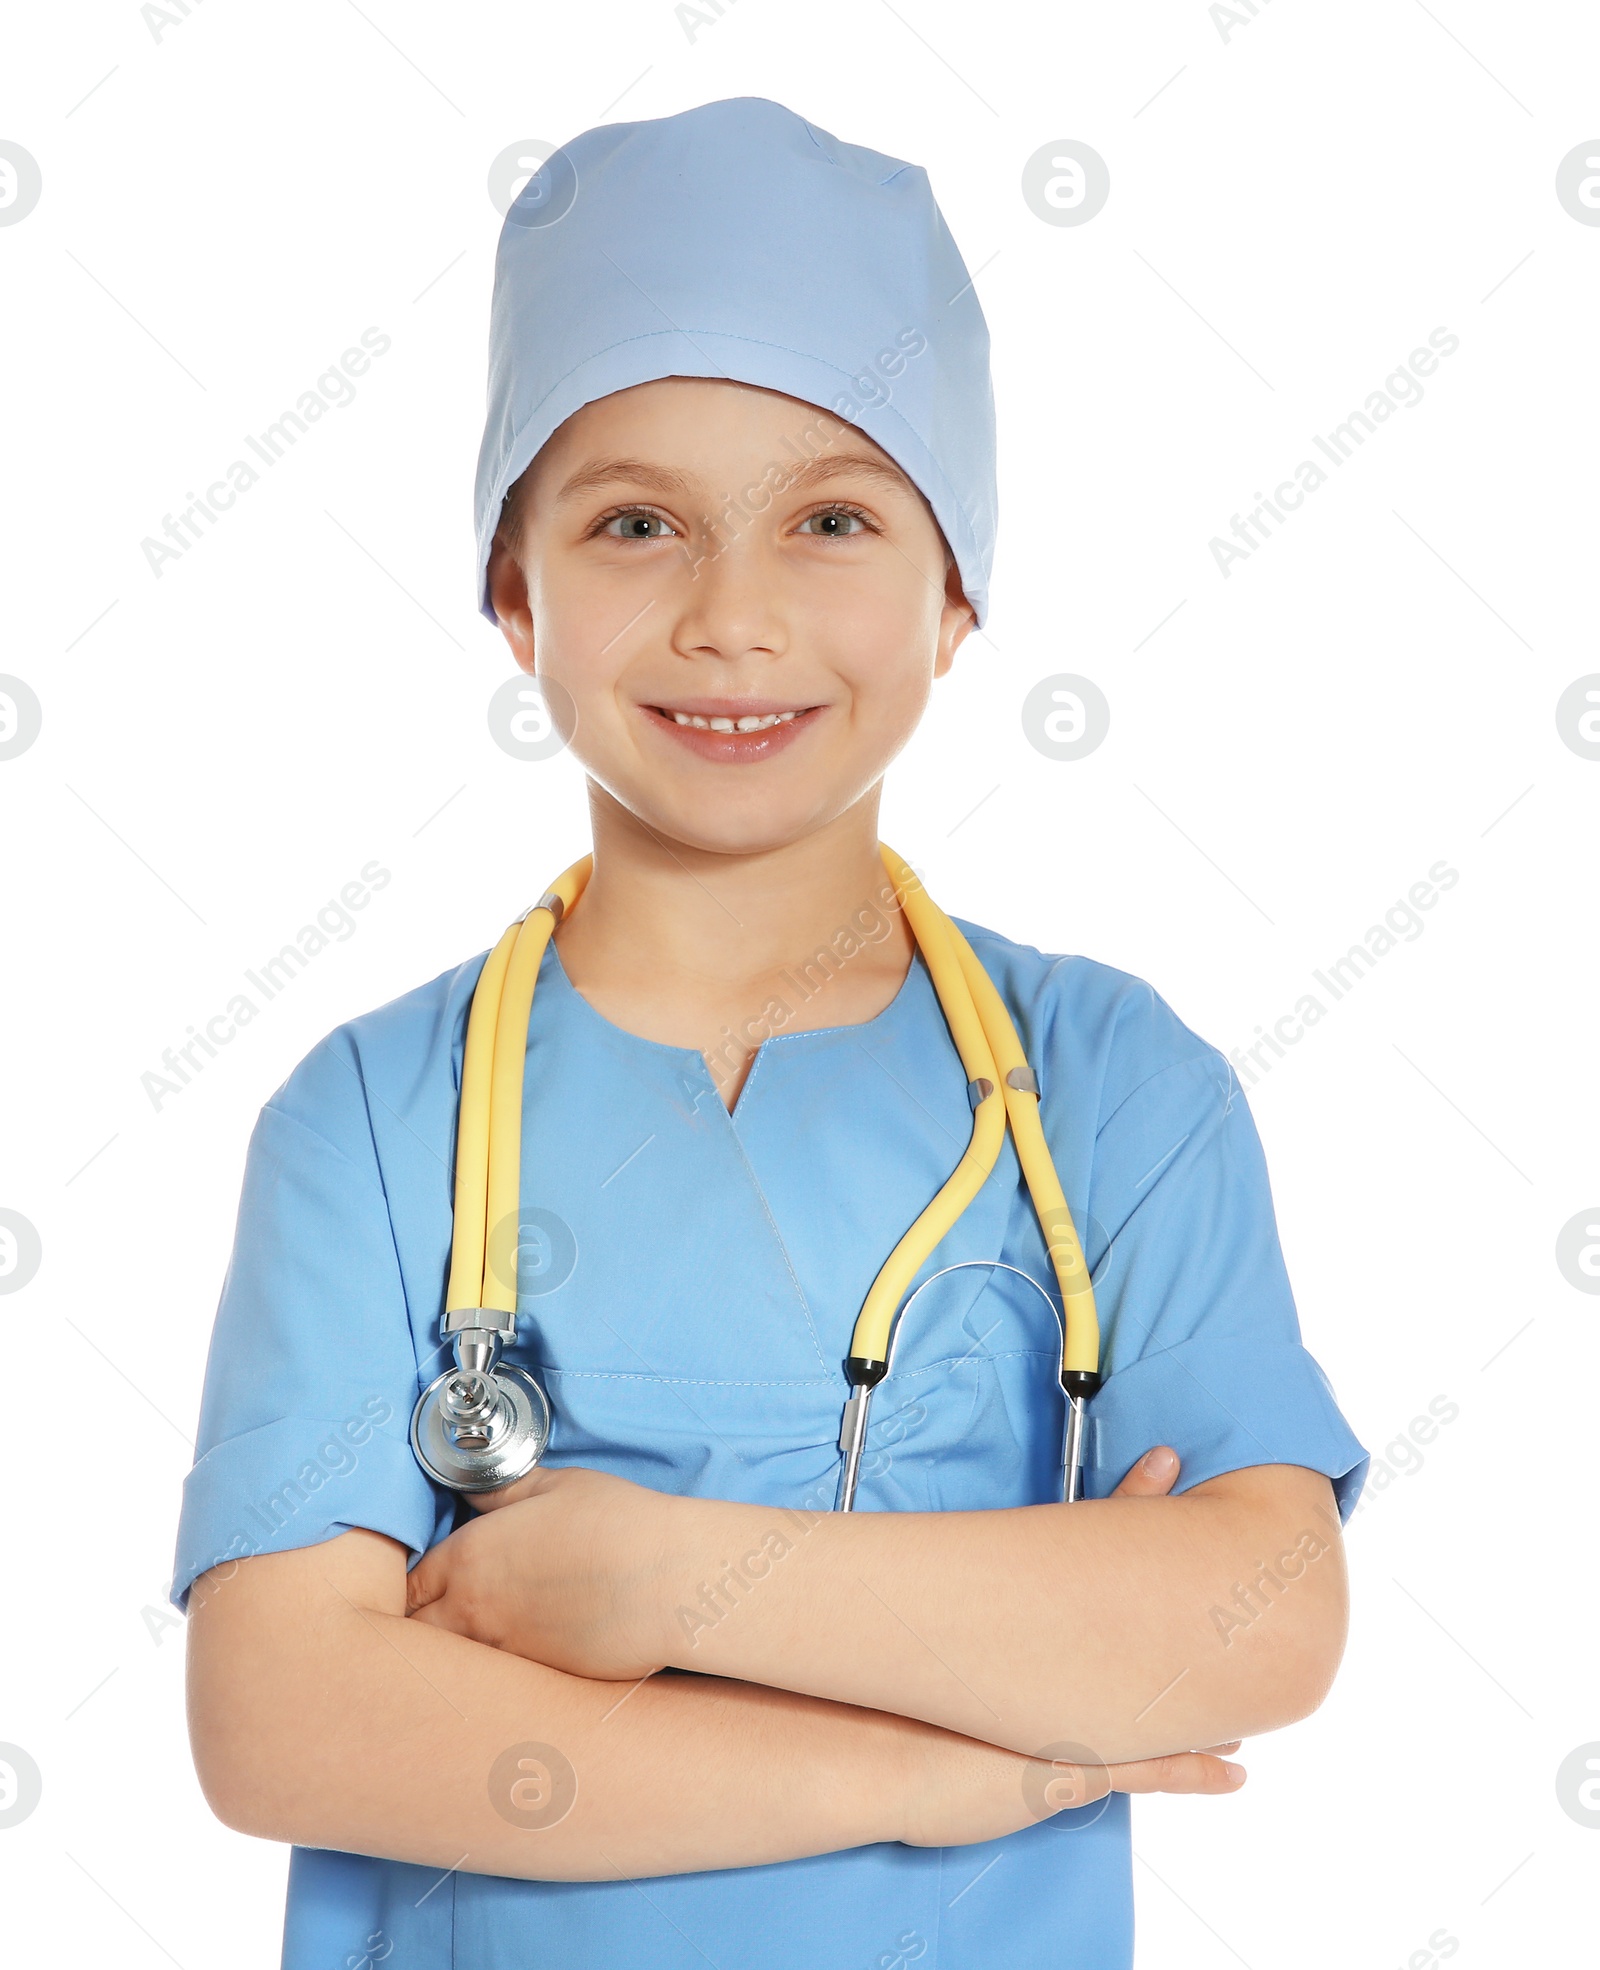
[853, 1432]
[476, 1422]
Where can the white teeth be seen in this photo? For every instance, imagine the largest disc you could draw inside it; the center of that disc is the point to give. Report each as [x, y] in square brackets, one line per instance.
[749, 723]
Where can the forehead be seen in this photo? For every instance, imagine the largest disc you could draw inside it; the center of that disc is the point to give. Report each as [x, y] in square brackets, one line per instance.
[708, 428]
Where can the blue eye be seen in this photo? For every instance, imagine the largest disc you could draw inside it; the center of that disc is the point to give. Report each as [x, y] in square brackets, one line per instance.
[635, 523]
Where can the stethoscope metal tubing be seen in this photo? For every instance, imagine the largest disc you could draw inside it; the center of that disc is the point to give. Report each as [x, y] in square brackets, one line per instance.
[1072, 1463]
[853, 1427]
[852, 1436]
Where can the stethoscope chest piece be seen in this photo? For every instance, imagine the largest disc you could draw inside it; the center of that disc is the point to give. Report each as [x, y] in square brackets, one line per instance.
[477, 1430]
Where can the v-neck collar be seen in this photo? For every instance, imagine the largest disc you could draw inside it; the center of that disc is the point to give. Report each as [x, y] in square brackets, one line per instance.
[554, 978]
[764, 1226]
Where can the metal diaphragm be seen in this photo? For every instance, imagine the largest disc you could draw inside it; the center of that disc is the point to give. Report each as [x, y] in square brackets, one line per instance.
[480, 1432]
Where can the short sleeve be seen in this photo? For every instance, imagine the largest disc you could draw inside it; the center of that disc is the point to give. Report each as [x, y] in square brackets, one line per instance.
[1200, 1337]
[312, 1370]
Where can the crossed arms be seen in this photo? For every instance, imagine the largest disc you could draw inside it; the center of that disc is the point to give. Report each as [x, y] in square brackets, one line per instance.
[864, 1677]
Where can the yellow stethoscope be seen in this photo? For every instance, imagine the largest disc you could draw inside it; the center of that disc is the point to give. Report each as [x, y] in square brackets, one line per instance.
[484, 1423]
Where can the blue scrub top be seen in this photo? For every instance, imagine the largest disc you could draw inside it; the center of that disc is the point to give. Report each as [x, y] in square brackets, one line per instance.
[688, 1284]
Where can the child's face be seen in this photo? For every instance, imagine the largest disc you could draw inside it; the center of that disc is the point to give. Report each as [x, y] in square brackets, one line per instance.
[711, 550]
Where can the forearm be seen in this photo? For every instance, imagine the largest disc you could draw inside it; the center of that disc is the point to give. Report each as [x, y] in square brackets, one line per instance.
[1115, 1623]
[329, 1724]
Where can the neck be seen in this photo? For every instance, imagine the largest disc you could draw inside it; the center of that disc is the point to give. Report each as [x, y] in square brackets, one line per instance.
[727, 917]
[688, 946]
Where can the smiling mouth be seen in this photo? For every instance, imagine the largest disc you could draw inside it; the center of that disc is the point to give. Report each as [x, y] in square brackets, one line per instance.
[746, 721]
[727, 728]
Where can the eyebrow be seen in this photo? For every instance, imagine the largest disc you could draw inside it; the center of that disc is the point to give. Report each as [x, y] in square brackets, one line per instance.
[663, 479]
[608, 471]
[818, 470]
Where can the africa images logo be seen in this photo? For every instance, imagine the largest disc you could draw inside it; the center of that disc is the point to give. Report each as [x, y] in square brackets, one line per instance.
[1401, 390]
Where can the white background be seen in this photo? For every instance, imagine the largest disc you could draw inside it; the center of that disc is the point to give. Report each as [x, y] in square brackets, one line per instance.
[1305, 198]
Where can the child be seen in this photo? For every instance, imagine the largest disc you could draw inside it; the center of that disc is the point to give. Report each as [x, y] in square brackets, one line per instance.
[735, 510]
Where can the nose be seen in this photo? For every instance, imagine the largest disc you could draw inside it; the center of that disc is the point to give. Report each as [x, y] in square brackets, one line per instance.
[730, 600]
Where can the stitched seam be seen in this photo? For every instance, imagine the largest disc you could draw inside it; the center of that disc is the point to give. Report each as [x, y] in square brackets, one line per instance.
[1253, 1341]
[684, 1381]
[374, 1185]
[1188, 1060]
[284, 1114]
[711, 1382]
[356, 1073]
[963, 1360]
[855, 1026]
[755, 1069]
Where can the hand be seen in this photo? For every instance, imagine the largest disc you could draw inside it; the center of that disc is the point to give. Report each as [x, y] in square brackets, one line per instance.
[557, 1568]
[1183, 1771]
[966, 1792]
[972, 1792]
[563, 1568]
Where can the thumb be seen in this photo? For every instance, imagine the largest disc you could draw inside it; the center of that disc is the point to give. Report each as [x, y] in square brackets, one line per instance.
[530, 1486]
[426, 1581]
[1153, 1476]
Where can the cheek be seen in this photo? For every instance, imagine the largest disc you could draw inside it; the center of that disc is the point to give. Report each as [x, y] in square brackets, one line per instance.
[885, 655]
[583, 644]
[581, 632]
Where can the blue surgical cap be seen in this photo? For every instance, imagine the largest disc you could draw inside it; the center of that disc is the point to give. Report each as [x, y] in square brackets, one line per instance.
[737, 240]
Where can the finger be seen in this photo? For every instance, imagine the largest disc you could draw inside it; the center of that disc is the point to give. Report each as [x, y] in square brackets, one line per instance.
[1153, 1476]
[462, 1613]
[427, 1580]
[491, 1501]
[1183, 1771]
[1219, 1750]
[537, 1480]
[447, 1612]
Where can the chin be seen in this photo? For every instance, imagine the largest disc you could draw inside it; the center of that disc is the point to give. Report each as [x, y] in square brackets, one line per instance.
[733, 834]
[747, 826]
[735, 811]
